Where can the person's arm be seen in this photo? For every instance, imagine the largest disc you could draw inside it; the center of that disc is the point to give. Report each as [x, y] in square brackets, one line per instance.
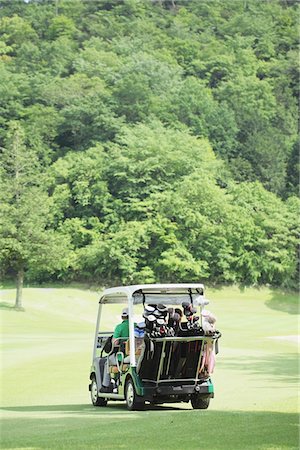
[116, 335]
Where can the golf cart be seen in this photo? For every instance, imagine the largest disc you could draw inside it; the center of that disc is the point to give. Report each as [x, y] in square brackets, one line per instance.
[167, 358]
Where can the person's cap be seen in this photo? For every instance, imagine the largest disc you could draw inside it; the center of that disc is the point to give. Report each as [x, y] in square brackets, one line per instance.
[125, 312]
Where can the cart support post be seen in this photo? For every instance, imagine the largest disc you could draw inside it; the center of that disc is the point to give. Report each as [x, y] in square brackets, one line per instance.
[97, 331]
[131, 333]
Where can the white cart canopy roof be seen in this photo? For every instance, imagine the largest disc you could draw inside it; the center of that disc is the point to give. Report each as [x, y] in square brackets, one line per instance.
[172, 294]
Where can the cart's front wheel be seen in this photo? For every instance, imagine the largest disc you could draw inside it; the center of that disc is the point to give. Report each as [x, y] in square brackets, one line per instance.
[97, 401]
[134, 402]
[199, 402]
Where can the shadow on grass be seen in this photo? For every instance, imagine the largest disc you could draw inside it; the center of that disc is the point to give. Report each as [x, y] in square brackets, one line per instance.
[192, 429]
[86, 408]
[10, 307]
[50, 408]
[5, 305]
[282, 367]
[288, 302]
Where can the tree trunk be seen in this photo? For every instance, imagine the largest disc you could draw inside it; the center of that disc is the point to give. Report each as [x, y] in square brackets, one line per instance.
[19, 283]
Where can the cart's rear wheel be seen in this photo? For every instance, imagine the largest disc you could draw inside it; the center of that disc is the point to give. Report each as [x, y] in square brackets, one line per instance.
[199, 402]
[97, 401]
[134, 402]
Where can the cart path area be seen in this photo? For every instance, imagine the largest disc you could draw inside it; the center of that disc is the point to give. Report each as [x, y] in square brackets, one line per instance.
[291, 338]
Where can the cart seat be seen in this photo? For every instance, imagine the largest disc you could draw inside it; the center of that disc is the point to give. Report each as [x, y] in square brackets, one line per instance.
[138, 346]
[126, 360]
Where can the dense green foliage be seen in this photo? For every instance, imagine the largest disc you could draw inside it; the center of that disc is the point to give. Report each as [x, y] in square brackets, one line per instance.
[160, 140]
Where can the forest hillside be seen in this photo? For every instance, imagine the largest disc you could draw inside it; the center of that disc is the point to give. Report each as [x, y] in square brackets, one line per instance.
[147, 141]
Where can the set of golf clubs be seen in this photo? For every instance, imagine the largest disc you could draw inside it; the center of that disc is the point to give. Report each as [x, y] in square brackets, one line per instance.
[157, 324]
[192, 320]
[155, 320]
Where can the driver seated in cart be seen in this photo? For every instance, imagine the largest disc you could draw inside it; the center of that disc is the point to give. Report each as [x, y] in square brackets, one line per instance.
[121, 334]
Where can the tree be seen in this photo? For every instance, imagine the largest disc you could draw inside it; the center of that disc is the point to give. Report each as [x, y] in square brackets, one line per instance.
[13, 32]
[150, 158]
[270, 247]
[143, 117]
[26, 243]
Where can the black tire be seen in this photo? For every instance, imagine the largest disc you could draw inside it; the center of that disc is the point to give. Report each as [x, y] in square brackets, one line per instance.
[199, 402]
[133, 401]
[97, 401]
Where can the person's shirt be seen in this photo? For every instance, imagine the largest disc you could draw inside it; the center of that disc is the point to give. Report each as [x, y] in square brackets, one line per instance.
[122, 333]
[122, 330]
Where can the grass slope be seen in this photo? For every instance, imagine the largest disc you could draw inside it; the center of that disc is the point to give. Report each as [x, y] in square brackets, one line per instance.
[45, 368]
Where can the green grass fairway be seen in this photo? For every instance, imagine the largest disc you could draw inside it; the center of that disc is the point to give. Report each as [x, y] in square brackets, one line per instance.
[46, 356]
